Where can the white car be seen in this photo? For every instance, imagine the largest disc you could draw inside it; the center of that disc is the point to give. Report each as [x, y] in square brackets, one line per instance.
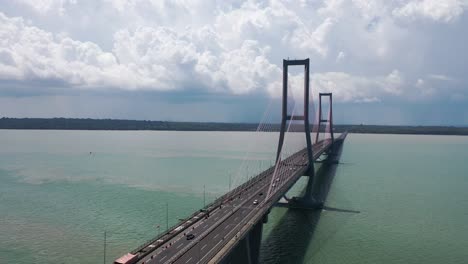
[255, 202]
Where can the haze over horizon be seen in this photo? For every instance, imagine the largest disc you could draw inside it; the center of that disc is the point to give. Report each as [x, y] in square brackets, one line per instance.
[386, 62]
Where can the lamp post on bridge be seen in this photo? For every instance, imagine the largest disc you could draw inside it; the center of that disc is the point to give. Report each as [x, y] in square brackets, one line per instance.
[229, 181]
[248, 175]
[105, 244]
[167, 215]
[158, 227]
[204, 198]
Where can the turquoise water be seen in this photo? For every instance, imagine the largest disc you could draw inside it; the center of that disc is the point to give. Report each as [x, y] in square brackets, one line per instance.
[60, 190]
[411, 192]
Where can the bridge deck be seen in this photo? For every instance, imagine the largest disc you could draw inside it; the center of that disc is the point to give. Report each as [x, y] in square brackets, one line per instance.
[230, 217]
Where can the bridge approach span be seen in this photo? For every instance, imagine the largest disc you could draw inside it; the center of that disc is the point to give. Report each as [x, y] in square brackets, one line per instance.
[220, 226]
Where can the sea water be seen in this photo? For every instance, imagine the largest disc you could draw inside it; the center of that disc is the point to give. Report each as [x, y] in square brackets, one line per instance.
[60, 191]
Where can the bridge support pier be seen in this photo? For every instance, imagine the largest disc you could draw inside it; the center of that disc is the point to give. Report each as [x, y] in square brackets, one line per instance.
[307, 201]
[248, 249]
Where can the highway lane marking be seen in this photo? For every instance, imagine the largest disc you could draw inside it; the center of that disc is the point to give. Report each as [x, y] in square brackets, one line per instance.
[164, 257]
[216, 236]
[248, 192]
[204, 246]
[180, 236]
[216, 245]
[244, 211]
[179, 246]
[188, 260]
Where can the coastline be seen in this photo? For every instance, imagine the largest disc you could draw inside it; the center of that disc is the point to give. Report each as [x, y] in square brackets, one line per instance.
[136, 125]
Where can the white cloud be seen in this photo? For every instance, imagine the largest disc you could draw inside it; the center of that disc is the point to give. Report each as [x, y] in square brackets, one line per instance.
[313, 41]
[424, 88]
[149, 58]
[393, 82]
[223, 55]
[36, 54]
[46, 6]
[247, 68]
[341, 56]
[430, 86]
[438, 10]
[440, 77]
[347, 87]
[230, 46]
[419, 83]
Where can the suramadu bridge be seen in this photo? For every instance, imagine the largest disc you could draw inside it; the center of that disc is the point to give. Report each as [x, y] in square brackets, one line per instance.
[229, 230]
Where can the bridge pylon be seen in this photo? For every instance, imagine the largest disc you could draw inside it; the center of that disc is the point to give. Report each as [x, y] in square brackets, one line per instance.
[285, 117]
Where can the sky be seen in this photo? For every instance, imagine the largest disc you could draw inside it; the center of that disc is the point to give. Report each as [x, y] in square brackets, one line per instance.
[389, 62]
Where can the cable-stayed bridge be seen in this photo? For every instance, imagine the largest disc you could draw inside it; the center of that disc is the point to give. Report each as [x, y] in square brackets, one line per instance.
[229, 229]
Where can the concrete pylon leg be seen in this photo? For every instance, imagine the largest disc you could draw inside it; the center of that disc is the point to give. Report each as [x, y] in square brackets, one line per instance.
[309, 188]
[248, 249]
[255, 238]
[308, 197]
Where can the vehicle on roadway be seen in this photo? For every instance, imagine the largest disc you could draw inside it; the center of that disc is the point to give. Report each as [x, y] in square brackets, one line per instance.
[255, 202]
[190, 236]
[260, 194]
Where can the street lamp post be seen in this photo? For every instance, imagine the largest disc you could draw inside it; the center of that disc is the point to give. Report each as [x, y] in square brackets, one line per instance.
[167, 215]
[105, 238]
[158, 227]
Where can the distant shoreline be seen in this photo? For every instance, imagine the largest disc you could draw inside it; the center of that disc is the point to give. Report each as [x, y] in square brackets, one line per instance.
[121, 124]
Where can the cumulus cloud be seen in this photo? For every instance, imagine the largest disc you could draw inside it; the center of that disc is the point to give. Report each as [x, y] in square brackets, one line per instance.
[46, 6]
[440, 77]
[341, 56]
[344, 86]
[224, 55]
[419, 83]
[234, 47]
[438, 10]
[438, 85]
[30, 53]
[351, 88]
[149, 58]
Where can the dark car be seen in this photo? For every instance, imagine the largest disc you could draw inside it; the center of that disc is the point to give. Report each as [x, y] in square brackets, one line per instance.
[260, 194]
[190, 236]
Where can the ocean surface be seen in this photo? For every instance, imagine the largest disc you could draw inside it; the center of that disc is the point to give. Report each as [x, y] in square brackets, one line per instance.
[60, 191]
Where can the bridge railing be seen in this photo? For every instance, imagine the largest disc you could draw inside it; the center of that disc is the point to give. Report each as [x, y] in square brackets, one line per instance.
[169, 234]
